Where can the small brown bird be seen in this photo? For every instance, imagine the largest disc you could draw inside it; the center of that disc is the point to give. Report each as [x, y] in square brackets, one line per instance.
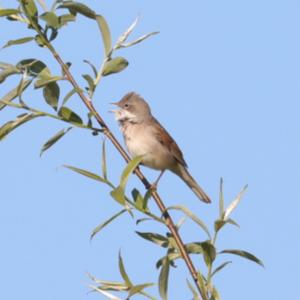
[145, 136]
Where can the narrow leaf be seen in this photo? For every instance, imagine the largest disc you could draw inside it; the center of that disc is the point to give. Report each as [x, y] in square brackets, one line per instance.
[123, 271]
[192, 217]
[105, 293]
[65, 19]
[215, 294]
[13, 94]
[54, 139]
[244, 254]
[163, 279]
[192, 289]
[139, 40]
[86, 173]
[209, 252]
[51, 94]
[139, 201]
[90, 82]
[234, 204]
[137, 289]
[8, 12]
[105, 32]
[6, 72]
[67, 114]
[68, 96]
[80, 8]
[92, 67]
[51, 19]
[129, 169]
[126, 34]
[12, 125]
[34, 67]
[219, 268]
[46, 81]
[114, 65]
[18, 41]
[104, 224]
[202, 285]
[30, 10]
[118, 195]
[154, 238]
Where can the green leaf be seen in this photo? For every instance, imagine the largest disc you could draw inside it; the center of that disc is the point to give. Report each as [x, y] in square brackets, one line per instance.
[8, 12]
[92, 67]
[118, 195]
[209, 252]
[139, 201]
[46, 81]
[78, 7]
[123, 271]
[215, 294]
[103, 161]
[154, 238]
[68, 115]
[30, 10]
[126, 34]
[86, 173]
[65, 19]
[114, 65]
[234, 204]
[104, 224]
[219, 268]
[109, 296]
[105, 32]
[244, 254]
[54, 139]
[68, 96]
[8, 71]
[202, 285]
[90, 82]
[137, 289]
[51, 94]
[20, 120]
[13, 94]
[131, 166]
[191, 216]
[18, 41]
[34, 67]
[163, 279]
[139, 40]
[192, 289]
[51, 19]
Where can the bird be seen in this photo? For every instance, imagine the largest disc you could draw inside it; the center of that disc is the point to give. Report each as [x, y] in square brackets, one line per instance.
[145, 136]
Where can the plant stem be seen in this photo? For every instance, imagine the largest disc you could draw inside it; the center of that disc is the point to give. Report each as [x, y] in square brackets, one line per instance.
[169, 221]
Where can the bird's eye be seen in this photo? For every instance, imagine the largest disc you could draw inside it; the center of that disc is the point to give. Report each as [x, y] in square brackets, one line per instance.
[126, 105]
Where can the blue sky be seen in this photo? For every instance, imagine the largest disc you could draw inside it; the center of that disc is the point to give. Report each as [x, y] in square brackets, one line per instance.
[223, 78]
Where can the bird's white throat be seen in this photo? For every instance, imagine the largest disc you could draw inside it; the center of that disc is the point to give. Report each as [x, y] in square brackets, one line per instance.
[122, 115]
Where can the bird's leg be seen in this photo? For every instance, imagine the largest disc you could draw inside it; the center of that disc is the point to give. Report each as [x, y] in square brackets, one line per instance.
[155, 183]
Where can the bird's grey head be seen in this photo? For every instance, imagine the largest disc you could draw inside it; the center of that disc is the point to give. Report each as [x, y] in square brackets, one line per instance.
[133, 108]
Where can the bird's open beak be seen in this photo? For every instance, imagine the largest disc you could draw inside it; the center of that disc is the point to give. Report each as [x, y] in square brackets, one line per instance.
[114, 110]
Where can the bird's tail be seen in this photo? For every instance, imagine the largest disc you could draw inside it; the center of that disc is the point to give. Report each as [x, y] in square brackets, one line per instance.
[182, 172]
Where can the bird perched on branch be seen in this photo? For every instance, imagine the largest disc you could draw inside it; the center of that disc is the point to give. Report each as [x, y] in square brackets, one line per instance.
[145, 136]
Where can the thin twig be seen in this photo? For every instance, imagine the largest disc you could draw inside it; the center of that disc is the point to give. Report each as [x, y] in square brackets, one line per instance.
[169, 221]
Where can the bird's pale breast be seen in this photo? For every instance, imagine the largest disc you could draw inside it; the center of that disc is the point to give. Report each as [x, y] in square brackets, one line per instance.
[141, 140]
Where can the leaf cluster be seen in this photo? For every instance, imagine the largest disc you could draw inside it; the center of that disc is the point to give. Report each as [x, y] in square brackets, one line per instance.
[46, 27]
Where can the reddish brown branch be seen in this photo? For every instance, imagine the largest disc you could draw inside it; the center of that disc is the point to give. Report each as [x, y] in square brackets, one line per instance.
[169, 221]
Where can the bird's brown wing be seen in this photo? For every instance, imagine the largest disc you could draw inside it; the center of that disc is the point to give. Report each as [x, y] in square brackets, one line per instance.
[166, 140]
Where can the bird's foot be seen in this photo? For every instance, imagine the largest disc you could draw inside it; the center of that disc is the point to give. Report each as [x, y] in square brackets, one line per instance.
[153, 187]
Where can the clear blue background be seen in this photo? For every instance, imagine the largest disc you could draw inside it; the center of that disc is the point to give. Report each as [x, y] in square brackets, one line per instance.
[223, 77]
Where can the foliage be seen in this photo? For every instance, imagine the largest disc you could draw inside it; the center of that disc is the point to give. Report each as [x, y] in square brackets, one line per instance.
[44, 28]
